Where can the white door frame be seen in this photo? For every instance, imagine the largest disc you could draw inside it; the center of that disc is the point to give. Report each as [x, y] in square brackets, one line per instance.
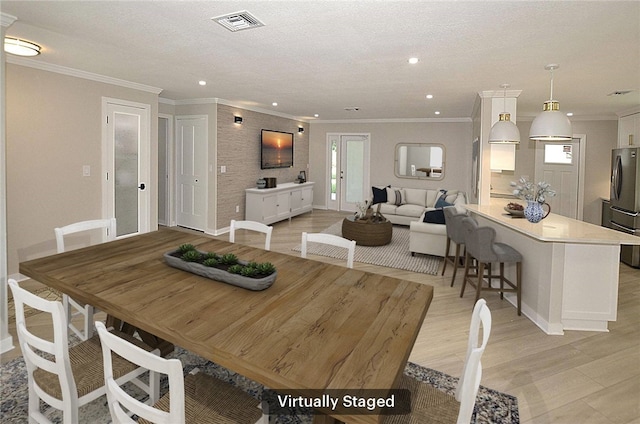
[337, 204]
[170, 155]
[582, 141]
[144, 161]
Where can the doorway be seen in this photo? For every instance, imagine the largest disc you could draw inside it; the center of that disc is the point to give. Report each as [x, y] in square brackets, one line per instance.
[562, 166]
[348, 162]
[191, 171]
[126, 165]
[165, 175]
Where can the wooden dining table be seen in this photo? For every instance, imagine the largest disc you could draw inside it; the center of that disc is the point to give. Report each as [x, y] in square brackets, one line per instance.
[318, 327]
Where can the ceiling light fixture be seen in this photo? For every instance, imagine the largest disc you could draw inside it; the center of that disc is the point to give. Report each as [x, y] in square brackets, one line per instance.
[437, 112]
[551, 124]
[504, 131]
[274, 104]
[202, 82]
[20, 47]
[429, 96]
[413, 60]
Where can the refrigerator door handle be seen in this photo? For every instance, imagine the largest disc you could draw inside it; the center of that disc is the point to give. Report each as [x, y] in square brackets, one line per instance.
[625, 229]
[633, 214]
[616, 178]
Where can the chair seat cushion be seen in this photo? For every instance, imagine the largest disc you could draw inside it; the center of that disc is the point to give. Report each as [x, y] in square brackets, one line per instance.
[210, 400]
[506, 253]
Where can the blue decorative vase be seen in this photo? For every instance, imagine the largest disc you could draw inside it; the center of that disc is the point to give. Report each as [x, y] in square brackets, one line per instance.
[534, 211]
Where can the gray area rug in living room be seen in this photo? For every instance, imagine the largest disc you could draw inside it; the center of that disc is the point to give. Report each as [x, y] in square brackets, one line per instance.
[393, 255]
[491, 406]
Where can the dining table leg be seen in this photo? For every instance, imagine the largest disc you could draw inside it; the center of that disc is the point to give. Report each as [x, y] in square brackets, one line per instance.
[155, 342]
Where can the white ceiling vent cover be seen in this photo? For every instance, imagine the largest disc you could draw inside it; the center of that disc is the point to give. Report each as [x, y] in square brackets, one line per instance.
[238, 21]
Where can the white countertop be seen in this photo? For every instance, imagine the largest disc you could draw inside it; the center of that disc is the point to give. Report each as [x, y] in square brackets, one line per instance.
[554, 228]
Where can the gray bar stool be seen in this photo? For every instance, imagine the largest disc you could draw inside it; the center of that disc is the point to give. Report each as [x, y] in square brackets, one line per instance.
[480, 244]
[453, 220]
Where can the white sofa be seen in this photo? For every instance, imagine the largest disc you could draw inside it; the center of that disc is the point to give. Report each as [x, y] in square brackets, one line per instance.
[408, 206]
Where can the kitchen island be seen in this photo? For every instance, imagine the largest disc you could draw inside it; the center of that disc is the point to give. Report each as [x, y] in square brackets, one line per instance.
[569, 270]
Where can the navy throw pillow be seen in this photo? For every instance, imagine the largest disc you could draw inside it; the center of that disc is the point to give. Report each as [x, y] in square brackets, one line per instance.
[379, 195]
[434, 217]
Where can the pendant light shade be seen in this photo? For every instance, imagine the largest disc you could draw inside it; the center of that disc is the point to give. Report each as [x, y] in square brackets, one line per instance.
[551, 124]
[504, 131]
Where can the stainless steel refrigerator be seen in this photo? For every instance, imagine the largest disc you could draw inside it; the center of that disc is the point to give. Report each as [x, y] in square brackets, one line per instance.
[625, 198]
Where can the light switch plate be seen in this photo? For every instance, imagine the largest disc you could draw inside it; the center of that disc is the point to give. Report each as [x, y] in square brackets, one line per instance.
[86, 170]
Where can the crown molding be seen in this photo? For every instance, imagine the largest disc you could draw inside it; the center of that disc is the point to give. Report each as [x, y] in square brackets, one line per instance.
[44, 66]
[628, 112]
[6, 20]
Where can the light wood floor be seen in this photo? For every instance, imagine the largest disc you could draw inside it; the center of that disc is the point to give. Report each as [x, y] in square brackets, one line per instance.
[581, 377]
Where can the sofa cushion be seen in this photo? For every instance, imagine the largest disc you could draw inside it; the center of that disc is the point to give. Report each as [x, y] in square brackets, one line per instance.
[387, 208]
[415, 196]
[432, 196]
[409, 210]
[434, 217]
[379, 195]
[395, 196]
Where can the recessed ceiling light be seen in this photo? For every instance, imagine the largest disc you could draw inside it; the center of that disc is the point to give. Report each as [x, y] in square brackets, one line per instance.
[274, 104]
[437, 112]
[429, 96]
[569, 113]
[413, 60]
[316, 115]
[20, 47]
[202, 82]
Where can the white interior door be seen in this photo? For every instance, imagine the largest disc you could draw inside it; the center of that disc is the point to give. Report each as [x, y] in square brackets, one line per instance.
[191, 171]
[126, 165]
[349, 160]
[559, 165]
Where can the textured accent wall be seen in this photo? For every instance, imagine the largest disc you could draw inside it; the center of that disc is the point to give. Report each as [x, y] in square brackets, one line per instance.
[238, 149]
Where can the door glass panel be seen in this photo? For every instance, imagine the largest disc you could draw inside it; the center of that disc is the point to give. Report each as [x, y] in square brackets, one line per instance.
[126, 132]
[334, 170]
[355, 167]
[558, 153]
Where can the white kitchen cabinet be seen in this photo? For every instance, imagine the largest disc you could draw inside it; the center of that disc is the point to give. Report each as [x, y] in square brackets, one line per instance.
[629, 130]
[285, 201]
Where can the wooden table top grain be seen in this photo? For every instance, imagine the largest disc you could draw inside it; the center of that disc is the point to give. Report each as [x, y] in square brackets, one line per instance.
[319, 326]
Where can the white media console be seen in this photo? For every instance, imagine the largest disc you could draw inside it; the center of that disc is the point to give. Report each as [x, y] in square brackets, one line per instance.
[269, 205]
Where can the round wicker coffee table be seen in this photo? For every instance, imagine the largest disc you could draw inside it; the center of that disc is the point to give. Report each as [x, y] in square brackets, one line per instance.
[367, 233]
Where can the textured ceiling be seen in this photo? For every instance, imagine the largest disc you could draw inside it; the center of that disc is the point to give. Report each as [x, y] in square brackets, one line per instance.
[323, 56]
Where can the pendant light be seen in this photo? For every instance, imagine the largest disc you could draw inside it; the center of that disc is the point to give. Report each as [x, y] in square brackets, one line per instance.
[551, 124]
[504, 131]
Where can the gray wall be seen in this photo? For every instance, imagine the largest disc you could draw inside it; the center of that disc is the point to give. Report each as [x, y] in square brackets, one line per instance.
[455, 136]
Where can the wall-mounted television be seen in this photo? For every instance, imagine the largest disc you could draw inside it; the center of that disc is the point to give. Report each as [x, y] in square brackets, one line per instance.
[276, 149]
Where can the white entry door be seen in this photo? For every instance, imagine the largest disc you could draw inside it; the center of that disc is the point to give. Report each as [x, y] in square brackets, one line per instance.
[349, 160]
[126, 165]
[191, 171]
[559, 165]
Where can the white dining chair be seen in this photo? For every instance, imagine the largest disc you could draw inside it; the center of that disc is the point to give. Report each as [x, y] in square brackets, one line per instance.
[329, 239]
[429, 404]
[72, 307]
[253, 226]
[68, 377]
[198, 398]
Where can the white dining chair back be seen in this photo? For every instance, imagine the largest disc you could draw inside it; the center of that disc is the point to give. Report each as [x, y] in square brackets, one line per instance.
[329, 239]
[253, 226]
[72, 307]
[61, 376]
[469, 382]
[430, 404]
[175, 407]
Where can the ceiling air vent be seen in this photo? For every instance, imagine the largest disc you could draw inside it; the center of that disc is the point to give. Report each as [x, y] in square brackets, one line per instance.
[238, 21]
[619, 93]
[352, 109]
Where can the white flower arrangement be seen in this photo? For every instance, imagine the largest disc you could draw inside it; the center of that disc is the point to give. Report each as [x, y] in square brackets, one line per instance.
[362, 209]
[526, 190]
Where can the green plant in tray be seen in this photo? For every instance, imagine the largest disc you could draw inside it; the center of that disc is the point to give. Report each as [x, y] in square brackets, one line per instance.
[266, 268]
[210, 262]
[184, 248]
[235, 269]
[191, 256]
[228, 259]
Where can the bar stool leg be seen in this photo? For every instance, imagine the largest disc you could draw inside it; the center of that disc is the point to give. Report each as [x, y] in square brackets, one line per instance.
[480, 278]
[467, 259]
[456, 264]
[501, 280]
[446, 257]
[519, 286]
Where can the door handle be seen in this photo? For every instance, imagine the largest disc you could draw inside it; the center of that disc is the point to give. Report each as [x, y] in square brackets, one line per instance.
[141, 186]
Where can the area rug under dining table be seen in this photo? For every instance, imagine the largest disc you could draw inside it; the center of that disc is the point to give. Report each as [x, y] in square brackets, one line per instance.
[393, 255]
[491, 406]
